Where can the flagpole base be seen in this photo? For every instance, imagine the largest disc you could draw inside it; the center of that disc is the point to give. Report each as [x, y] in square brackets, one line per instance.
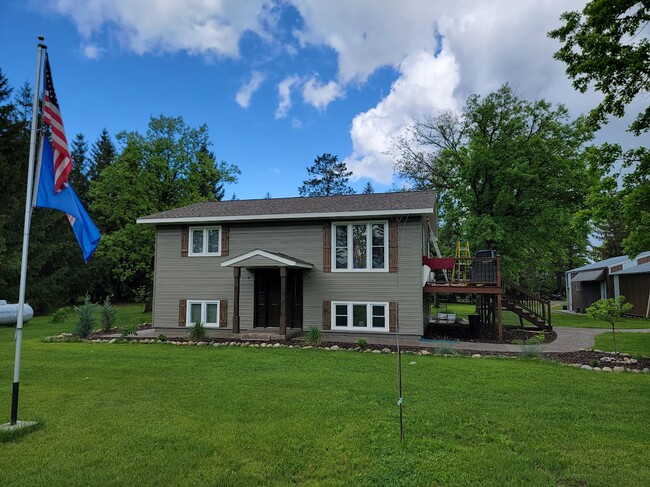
[17, 426]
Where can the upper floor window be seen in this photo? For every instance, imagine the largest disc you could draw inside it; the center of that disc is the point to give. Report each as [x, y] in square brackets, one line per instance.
[360, 246]
[205, 241]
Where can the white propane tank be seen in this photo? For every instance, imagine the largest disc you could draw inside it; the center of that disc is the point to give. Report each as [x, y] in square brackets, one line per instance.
[9, 313]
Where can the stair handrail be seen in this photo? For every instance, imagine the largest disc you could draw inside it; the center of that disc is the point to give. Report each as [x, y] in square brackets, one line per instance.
[533, 303]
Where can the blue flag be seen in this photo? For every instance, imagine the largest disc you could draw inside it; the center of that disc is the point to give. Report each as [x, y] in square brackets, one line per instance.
[66, 200]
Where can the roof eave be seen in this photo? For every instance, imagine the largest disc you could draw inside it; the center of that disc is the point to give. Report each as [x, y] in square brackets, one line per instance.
[285, 216]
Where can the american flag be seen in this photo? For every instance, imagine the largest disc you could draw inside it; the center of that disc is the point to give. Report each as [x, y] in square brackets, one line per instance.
[52, 117]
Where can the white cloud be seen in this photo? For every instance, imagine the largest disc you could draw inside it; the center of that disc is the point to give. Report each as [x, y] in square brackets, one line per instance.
[243, 97]
[92, 51]
[320, 95]
[195, 26]
[426, 85]
[284, 95]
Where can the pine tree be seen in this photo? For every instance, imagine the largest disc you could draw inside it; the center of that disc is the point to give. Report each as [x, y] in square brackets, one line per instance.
[328, 177]
[79, 174]
[368, 189]
[102, 155]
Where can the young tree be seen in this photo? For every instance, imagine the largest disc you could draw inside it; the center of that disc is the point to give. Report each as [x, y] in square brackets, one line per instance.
[328, 177]
[510, 176]
[368, 189]
[609, 310]
[604, 46]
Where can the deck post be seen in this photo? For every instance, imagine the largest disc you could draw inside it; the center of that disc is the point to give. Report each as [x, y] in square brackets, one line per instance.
[283, 301]
[499, 315]
[235, 306]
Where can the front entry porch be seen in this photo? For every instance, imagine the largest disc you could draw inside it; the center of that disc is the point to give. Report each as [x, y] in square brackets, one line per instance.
[277, 294]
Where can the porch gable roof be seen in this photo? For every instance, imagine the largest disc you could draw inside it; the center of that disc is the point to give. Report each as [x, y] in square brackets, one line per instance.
[264, 258]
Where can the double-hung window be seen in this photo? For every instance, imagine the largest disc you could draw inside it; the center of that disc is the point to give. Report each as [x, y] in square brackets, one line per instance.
[360, 316]
[205, 241]
[360, 246]
[206, 312]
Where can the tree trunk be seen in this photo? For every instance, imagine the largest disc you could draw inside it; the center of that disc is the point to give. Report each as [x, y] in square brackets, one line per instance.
[148, 306]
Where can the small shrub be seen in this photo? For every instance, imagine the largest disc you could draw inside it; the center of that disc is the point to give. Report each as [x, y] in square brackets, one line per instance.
[60, 315]
[127, 329]
[108, 315]
[362, 343]
[594, 363]
[531, 347]
[313, 335]
[609, 310]
[198, 332]
[86, 320]
[162, 337]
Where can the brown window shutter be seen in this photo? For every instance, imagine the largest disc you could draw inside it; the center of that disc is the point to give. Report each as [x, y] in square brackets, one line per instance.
[182, 312]
[185, 236]
[392, 316]
[327, 247]
[327, 315]
[225, 240]
[393, 239]
[223, 313]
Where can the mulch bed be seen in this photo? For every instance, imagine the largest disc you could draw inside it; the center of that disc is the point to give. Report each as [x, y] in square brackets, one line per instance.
[461, 332]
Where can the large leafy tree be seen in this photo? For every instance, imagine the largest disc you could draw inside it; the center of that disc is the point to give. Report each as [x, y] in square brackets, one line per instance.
[605, 46]
[168, 167]
[328, 177]
[510, 176]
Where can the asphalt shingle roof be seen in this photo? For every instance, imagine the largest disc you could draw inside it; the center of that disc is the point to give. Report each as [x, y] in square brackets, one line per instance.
[266, 208]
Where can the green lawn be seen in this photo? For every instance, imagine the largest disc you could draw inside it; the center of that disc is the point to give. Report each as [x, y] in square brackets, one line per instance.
[128, 414]
[557, 317]
[637, 344]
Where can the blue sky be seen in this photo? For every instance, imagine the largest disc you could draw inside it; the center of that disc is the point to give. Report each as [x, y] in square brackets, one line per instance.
[280, 82]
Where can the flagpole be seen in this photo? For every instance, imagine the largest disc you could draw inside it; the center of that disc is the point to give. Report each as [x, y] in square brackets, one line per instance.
[28, 221]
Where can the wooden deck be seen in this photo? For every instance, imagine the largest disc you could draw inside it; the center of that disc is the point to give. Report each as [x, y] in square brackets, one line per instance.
[456, 288]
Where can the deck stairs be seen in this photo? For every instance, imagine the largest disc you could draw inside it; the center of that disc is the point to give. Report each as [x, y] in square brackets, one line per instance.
[528, 306]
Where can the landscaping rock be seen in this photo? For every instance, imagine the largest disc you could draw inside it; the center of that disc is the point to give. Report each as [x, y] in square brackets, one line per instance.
[477, 355]
[334, 347]
[277, 345]
[112, 340]
[618, 368]
[425, 352]
[385, 350]
[597, 369]
[646, 370]
[607, 369]
[376, 351]
[586, 367]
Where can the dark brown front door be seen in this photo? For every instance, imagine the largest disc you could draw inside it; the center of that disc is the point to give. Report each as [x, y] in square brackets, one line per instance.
[267, 298]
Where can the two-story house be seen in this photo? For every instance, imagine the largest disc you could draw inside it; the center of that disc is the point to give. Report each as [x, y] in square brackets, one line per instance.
[345, 264]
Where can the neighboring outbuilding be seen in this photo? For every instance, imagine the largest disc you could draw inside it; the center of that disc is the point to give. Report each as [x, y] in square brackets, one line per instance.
[611, 278]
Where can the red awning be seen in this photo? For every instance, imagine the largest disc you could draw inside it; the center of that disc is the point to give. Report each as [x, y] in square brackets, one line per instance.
[436, 263]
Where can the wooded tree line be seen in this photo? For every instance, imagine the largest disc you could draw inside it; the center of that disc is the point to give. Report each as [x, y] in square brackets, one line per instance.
[171, 165]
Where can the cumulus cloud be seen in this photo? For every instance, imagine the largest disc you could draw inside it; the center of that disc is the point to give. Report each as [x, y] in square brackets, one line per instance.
[284, 95]
[194, 26]
[320, 95]
[426, 85]
[243, 97]
[92, 51]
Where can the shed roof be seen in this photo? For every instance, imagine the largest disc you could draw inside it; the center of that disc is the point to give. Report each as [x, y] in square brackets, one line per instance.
[348, 206]
[602, 264]
[584, 276]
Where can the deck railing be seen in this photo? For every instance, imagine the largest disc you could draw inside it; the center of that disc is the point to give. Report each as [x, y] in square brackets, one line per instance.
[524, 299]
[465, 271]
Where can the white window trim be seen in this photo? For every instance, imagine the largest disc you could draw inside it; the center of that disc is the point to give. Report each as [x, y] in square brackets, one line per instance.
[368, 328]
[350, 267]
[190, 250]
[204, 313]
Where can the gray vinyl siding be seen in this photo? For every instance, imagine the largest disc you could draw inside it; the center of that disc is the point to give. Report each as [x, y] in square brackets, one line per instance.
[203, 278]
